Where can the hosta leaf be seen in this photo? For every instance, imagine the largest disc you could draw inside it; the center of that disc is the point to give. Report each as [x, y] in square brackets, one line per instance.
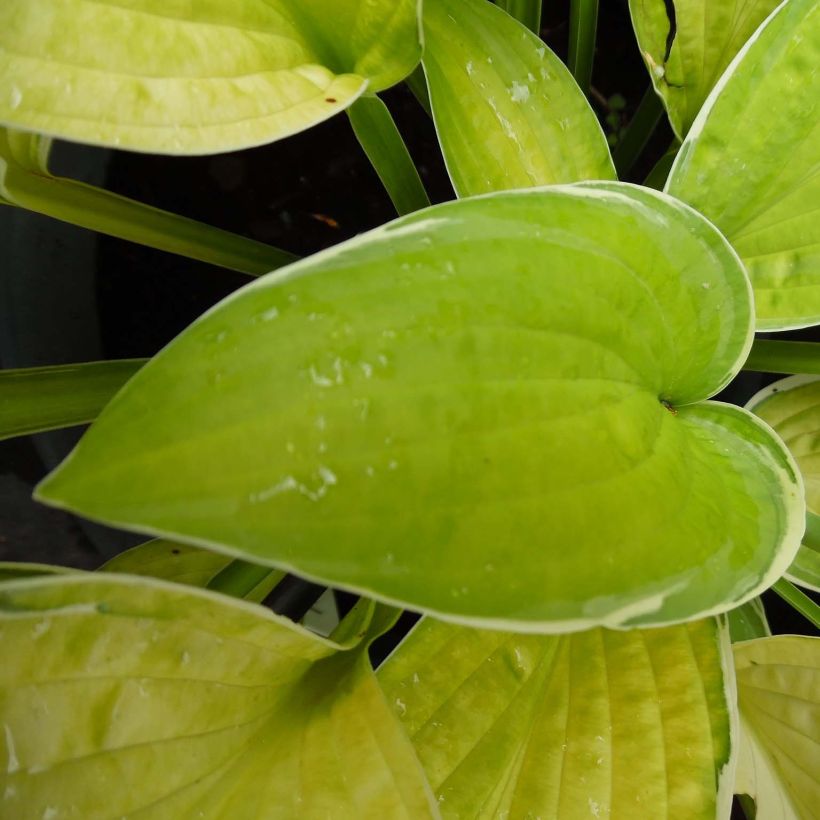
[464, 411]
[507, 111]
[749, 163]
[686, 61]
[778, 686]
[34, 399]
[183, 78]
[597, 724]
[182, 564]
[792, 407]
[125, 696]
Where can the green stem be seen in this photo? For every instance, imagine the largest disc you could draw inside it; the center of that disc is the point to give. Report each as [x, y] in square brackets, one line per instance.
[644, 121]
[583, 22]
[239, 578]
[382, 142]
[769, 356]
[811, 537]
[798, 601]
[527, 12]
[35, 399]
[109, 213]
[418, 85]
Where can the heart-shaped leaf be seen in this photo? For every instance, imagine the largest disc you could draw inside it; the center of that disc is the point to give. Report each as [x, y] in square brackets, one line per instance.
[597, 724]
[507, 111]
[194, 78]
[792, 407]
[129, 696]
[687, 52]
[749, 163]
[778, 687]
[486, 410]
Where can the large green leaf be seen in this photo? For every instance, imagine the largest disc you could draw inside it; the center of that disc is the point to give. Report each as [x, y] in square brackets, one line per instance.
[128, 696]
[778, 686]
[507, 111]
[487, 410]
[182, 564]
[45, 398]
[192, 78]
[749, 163]
[686, 58]
[792, 407]
[597, 724]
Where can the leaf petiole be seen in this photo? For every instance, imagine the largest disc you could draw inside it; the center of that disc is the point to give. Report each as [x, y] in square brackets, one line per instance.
[798, 600]
[769, 356]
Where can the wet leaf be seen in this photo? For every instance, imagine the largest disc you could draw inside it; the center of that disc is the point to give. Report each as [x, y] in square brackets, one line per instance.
[456, 411]
[749, 163]
[129, 696]
[595, 724]
[507, 111]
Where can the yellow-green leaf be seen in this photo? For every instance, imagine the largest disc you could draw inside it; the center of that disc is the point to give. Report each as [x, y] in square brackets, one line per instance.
[596, 724]
[778, 686]
[749, 163]
[455, 411]
[685, 61]
[125, 696]
[792, 407]
[507, 111]
[194, 78]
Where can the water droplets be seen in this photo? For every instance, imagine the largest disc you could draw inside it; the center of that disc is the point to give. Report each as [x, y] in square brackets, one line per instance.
[40, 629]
[15, 98]
[13, 764]
[469, 67]
[270, 314]
[321, 481]
[318, 379]
[519, 92]
[401, 706]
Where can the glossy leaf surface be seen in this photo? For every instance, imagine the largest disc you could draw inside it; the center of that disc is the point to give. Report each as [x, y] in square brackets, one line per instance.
[184, 78]
[46, 398]
[749, 163]
[181, 564]
[792, 407]
[686, 61]
[464, 412]
[507, 111]
[124, 696]
[778, 686]
[597, 724]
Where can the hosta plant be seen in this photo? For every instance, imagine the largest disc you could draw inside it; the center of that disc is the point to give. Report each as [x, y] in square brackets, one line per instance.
[498, 412]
